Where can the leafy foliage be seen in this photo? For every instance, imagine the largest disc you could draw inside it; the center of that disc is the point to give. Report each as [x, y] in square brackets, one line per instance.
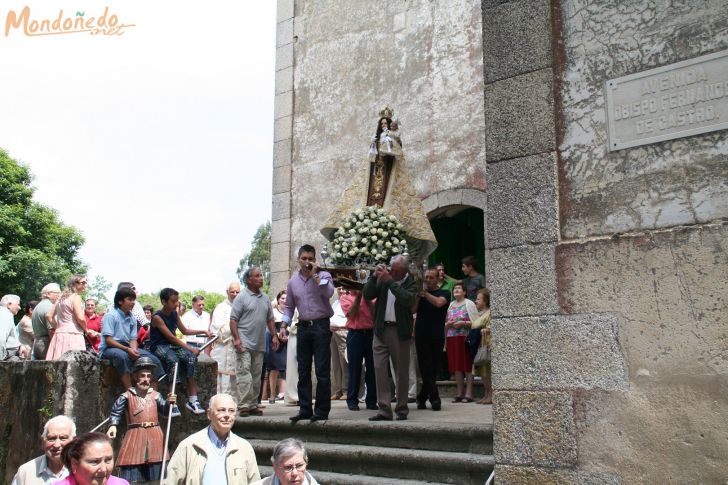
[97, 289]
[36, 248]
[212, 299]
[259, 255]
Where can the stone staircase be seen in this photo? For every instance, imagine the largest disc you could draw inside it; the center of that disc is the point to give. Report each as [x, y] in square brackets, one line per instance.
[453, 446]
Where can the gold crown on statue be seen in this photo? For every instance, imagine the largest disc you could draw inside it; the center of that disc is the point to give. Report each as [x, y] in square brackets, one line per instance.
[386, 112]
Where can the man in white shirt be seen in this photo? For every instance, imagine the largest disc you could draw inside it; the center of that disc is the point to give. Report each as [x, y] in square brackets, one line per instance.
[48, 468]
[396, 294]
[197, 319]
[222, 350]
[339, 364]
[10, 347]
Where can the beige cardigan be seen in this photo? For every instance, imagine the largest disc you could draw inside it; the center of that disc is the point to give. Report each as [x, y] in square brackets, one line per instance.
[189, 459]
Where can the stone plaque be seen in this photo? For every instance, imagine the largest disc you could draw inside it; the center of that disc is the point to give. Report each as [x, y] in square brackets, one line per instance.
[682, 99]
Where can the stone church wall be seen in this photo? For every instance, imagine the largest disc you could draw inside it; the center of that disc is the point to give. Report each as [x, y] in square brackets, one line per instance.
[607, 269]
[610, 341]
[339, 63]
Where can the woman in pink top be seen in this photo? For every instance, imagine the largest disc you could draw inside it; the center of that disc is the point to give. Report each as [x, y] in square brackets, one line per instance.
[69, 321]
[460, 315]
[360, 323]
[90, 459]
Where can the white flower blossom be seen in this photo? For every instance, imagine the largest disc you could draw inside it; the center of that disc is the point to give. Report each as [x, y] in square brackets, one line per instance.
[368, 234]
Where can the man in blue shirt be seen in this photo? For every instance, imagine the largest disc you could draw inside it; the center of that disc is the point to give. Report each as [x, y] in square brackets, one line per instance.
[119, 337]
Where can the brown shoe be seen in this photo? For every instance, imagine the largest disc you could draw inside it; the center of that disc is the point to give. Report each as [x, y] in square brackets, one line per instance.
[255, 412]
[336, 396]
[243, 413]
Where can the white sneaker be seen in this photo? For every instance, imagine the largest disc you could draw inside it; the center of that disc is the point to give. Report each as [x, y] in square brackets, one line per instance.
[195, 407]
[175, 411]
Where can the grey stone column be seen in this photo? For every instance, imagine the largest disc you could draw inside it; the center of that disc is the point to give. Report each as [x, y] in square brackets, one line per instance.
[282, 147]
[541, 358]
[532, 428]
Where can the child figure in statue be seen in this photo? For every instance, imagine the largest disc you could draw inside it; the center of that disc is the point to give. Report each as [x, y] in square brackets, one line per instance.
[140, 455]
[385, 181]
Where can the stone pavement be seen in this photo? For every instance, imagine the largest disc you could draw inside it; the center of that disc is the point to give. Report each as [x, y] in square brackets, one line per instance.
[462, 413]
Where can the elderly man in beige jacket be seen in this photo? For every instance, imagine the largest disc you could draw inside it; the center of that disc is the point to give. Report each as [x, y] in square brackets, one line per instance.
[214, 455]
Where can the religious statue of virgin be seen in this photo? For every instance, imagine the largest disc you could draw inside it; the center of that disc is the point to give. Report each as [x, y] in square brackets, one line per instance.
[385, 181]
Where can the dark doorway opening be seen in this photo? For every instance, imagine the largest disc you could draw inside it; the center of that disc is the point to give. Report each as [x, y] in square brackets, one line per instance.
[459, 232]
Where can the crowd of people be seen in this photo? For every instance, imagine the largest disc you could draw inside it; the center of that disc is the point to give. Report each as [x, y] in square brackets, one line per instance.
[213, 455]
[381, 344]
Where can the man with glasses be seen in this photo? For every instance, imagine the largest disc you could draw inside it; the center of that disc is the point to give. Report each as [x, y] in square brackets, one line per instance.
[222, 350]
[42, 329]
[290, 461]
[214, 455]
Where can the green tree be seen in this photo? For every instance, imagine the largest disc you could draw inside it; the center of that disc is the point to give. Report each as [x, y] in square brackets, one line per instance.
[212, 299]
[97, 290]
[35, 246]
[259, 255]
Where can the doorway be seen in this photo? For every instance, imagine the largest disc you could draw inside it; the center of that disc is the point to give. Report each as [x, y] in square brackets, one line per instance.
[459, 231]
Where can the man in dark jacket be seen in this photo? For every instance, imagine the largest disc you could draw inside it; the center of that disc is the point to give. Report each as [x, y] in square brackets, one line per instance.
[396, 294]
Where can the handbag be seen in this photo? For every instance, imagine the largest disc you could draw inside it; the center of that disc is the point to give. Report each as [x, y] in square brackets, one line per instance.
[472, 342]
[482, 356]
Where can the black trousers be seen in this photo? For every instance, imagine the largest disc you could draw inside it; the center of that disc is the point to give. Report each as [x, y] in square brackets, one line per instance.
[358, 348]
[313, 345]
[429, 356]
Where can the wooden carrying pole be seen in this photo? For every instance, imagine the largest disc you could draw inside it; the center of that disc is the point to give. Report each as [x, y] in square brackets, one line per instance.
[169, 425]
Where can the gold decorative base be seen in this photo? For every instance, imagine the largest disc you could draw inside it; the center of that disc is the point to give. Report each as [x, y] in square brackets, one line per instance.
[348, 276]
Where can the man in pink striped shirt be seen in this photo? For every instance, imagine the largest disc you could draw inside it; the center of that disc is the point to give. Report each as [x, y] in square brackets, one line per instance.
[360, 323]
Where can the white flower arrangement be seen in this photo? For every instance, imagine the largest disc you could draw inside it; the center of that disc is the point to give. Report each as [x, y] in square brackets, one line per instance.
[368, 236]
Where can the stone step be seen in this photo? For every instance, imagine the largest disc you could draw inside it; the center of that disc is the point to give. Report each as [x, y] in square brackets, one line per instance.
[448, 389]
[330, 478]
[390, 462]
[474, 437]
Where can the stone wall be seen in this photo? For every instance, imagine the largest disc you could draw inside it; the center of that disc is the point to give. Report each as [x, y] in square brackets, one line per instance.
[78, 386]
[338, 64]
[607, 269]
[610, 297]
